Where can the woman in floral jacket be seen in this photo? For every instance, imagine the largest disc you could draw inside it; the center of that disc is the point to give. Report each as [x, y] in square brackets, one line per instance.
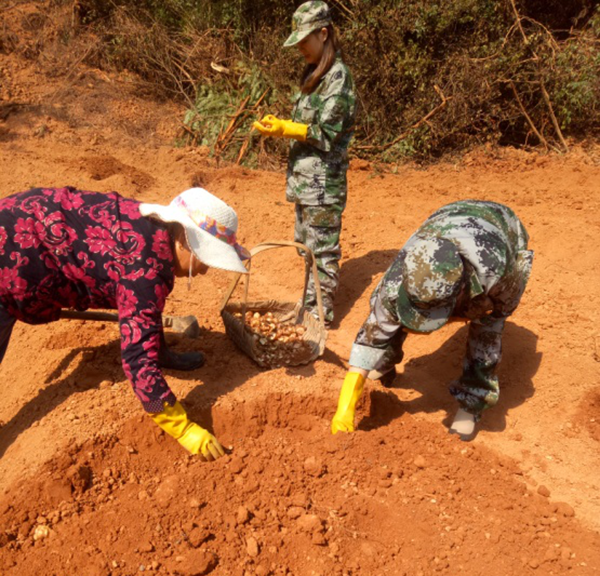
[66, 248]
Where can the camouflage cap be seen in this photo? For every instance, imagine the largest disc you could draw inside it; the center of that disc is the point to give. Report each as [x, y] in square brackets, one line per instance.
[309, 17]
[431, 281]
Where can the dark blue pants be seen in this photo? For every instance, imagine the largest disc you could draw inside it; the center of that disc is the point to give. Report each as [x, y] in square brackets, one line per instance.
[7, 321]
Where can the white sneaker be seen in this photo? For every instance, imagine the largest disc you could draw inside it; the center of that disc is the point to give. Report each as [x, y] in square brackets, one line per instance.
[463, 425]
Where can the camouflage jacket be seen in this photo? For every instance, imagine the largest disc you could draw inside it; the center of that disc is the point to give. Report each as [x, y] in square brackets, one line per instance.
[493, 245]
[316, 174]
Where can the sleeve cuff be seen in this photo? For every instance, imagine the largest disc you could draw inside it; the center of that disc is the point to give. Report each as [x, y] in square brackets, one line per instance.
[156, 405]
[366, 357]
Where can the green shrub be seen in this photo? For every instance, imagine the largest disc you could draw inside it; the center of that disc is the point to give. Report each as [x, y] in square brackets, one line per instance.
[433, 76]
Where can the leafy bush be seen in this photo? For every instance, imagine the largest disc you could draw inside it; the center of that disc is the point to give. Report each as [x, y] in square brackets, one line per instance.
[222, 114]
[433, 76]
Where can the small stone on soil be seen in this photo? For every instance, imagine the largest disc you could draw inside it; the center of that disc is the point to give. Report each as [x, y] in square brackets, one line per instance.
[252, 547]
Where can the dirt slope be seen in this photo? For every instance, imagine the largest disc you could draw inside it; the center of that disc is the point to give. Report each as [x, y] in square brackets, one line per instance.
[401, 496]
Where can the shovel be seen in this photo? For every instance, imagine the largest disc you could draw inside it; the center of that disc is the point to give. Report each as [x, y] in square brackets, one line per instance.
[186, 325]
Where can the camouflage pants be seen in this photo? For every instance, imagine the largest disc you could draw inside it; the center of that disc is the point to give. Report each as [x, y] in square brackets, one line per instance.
[318, 228]
[478, 389]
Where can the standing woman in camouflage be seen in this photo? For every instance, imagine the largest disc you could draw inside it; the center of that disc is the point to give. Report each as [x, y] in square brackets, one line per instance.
[469, 261]
[321, 126]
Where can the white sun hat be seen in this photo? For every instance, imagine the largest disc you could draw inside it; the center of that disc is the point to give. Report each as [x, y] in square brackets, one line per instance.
[210, 227]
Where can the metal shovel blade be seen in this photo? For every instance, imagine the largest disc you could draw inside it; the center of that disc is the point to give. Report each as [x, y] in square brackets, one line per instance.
[186, 325]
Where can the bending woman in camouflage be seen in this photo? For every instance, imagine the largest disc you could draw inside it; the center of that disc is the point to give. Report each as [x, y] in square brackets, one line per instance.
[321, 127]
[468, 261]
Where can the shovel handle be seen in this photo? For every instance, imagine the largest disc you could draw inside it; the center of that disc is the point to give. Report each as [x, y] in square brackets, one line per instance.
[87, 315]
[112, 317]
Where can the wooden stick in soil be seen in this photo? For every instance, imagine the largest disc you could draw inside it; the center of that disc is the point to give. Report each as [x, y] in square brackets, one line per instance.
[243, 149]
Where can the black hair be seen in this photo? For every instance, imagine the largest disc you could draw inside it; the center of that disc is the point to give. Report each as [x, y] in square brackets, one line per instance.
[312, 73]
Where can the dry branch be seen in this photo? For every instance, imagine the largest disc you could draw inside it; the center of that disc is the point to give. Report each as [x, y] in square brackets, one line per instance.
[224, 137]
[540, 137]
[545, 95]
[344, 7]
[414, 126]
[552, 115]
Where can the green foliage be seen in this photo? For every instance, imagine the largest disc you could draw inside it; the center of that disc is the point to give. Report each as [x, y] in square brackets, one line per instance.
[207, 118]
[576, 87]
[224, 110]
[433, 76]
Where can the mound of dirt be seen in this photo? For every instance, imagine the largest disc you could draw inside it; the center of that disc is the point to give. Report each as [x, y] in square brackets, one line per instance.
[403, 498]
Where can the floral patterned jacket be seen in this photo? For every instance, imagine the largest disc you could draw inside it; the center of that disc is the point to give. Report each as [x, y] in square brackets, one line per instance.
[66, 248]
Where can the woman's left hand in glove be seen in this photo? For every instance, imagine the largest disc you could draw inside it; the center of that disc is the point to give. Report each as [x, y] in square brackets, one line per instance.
[195, 439]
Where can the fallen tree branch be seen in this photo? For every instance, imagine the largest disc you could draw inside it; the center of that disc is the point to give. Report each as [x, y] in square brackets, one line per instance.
[243, 149]
[506, 37]
[242, 112]
[225, 136]
[344, 8]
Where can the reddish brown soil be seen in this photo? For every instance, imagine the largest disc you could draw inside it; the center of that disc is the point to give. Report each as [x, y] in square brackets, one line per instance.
[401, 496]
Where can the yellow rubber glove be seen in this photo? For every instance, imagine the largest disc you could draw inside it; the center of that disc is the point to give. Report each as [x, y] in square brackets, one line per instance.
[272, 126]
[343, 421]
[195, 439]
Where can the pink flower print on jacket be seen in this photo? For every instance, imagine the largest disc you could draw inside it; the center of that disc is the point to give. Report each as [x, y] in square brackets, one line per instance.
[67, 198]
[102, 213]
[130, 208]
[120, 241]
[161, 245]
[66, 248]
[115, 270]
[79, 273]
[3, 237]
[59, 237]
[100, 240]
[51, 230]
[143, 383]
[10, 283]
[7, 203]
[35, 205]
[130, 245]
[104, 295]
[127, 302]
[28, 232]
[161, 293]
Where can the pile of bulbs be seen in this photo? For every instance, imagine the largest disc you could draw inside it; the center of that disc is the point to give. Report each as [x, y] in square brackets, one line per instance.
[277, 343]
